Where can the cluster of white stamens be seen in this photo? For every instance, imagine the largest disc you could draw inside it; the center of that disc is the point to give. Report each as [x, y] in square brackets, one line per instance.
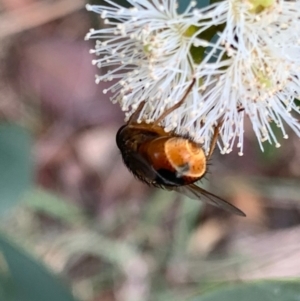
[250, 66]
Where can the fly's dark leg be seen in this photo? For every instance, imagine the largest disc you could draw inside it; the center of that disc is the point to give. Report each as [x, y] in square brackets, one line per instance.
[134, 116]
[177, 105]
[214, 141]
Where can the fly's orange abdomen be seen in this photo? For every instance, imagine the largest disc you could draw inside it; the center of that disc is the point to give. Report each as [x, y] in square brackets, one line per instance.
[154, 150]
[177, 159]
[187, 157]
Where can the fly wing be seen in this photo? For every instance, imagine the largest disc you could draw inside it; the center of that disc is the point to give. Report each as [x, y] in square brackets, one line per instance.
[195, 192]
[145, 171]
[138, 163]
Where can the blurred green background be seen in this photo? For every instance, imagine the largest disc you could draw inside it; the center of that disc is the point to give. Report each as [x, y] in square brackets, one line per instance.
[76, 225]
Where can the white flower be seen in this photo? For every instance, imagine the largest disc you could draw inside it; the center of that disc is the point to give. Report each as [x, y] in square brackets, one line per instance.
[250, 67]
[263, 77]
[147, 48]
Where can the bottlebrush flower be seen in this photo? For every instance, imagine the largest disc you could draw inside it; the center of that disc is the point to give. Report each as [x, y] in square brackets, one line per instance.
[245, 56]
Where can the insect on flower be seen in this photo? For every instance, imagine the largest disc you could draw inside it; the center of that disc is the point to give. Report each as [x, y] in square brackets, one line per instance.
[168, 160]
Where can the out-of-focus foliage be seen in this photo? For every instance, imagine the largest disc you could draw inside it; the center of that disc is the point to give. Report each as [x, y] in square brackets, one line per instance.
[260, 291]
[16, 168]
[42, 201]
[27, 280]
[67, 198]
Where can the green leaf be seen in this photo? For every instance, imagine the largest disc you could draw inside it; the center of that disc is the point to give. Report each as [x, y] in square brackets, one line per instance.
[182, 4]
[31, 279]
[53, 205]
[16, 166]
[258, 291]
[8, 291]
[189, 210]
